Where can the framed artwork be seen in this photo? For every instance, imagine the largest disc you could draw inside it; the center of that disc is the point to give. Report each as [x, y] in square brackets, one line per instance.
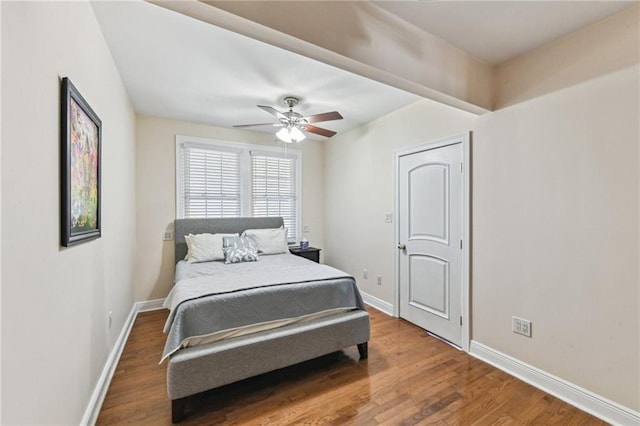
[81, 142]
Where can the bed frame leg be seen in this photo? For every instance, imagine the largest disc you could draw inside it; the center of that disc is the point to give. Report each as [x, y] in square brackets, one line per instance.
[177, 409]
[363, 348]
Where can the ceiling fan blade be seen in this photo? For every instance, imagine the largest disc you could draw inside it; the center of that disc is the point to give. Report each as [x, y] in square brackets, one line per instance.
[325, 116]
[273, 111]
[260, 124]
[319, 131]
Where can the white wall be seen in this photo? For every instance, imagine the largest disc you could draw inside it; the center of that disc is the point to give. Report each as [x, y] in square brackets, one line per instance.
[556, 229]
[55, 336]
[359, 188]
[156, 193]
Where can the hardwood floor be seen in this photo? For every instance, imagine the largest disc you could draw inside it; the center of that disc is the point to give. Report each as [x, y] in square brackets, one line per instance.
[410, 378]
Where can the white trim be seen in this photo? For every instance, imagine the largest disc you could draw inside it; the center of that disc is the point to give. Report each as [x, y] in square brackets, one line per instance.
[465, 140]
[599, 406]
[466, 240]
[149, 305]
[379, 304]
[100, 391]
[102, 386]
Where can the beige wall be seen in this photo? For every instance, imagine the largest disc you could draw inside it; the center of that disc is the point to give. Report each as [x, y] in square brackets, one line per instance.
[556, 207]
[359, 188]
[55, 335]
[600, 49]
[555, 233]
[156, 193]
[556, 228]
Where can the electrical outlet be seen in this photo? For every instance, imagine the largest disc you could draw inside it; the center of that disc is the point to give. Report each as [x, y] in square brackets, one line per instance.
[521, 326]
[110, 319]
[306, 229]
[388, 217]
[379, 279]
[365, 274]
[167, 236]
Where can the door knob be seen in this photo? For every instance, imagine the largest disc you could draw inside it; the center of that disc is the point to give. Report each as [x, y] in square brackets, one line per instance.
[402, 246]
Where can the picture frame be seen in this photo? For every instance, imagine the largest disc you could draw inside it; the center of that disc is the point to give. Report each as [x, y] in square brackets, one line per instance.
[80, 171]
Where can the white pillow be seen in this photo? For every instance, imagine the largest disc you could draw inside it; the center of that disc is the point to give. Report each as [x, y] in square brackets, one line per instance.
[269, 241]
[205, 247]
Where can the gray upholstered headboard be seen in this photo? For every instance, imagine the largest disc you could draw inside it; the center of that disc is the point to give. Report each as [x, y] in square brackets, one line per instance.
[230, 225]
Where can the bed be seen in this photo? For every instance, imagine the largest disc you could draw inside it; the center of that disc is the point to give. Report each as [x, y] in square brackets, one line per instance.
[231, 322]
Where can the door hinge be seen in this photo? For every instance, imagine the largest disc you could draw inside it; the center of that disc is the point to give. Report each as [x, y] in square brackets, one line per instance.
[460, 320]
[461, 168]
[460, 244]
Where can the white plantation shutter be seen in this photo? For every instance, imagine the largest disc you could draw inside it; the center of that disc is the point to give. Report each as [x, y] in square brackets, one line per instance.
[216, 178]
[210, 182]
[274, 189]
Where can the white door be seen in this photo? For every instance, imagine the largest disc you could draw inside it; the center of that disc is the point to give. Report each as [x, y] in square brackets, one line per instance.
[430, 231]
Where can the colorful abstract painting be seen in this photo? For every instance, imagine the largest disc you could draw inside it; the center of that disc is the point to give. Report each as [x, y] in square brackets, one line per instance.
[81, 140]
[83, 171]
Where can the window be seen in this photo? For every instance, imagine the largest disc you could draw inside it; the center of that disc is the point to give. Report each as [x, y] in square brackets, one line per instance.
[273, 188]
[211, 182]
[222, 179]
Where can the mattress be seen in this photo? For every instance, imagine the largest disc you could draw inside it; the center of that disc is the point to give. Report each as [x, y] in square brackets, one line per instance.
[212, 301]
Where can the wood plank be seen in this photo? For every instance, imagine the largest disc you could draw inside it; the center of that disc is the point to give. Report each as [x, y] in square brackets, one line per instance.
[409, 378]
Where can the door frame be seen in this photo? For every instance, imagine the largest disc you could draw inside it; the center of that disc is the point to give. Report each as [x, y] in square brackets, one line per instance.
[465, 140]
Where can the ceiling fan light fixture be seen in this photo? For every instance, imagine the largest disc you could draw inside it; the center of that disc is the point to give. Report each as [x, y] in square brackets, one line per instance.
[290, 134]
[293, 123]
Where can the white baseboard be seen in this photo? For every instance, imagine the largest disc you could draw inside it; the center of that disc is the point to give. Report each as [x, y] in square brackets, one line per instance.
[594, 404]
[379, 304]
[149, 305]
[100, 391]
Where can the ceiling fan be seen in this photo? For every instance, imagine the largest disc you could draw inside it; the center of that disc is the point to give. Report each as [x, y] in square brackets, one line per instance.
[294, 124]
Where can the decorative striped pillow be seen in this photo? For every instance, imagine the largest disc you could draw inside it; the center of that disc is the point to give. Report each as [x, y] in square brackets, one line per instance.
[239, 249]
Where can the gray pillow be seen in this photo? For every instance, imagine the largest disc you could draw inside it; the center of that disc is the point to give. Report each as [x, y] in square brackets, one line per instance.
[239, 249]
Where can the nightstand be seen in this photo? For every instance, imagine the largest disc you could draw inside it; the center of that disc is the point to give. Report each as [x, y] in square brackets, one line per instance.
[311, 253]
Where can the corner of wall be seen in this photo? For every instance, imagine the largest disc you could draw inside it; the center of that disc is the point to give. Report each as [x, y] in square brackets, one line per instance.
[609, 45]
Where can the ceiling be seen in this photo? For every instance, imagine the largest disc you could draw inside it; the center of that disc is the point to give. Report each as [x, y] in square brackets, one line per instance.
[494, 31]
[176, 67]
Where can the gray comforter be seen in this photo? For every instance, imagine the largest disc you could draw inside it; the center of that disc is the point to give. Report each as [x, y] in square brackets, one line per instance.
[212, 297]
